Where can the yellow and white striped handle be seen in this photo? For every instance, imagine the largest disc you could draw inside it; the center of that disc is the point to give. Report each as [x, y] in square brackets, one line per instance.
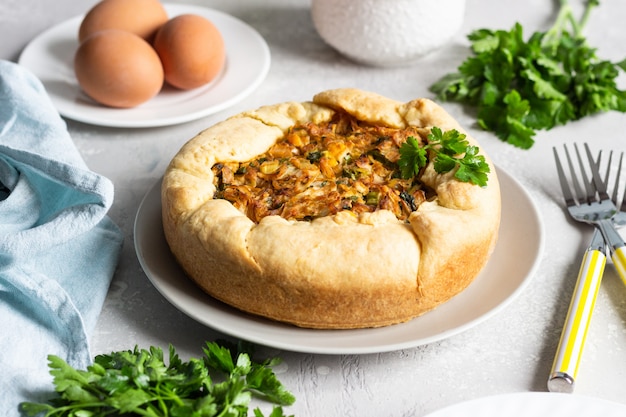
[569, 352]
[616, 244]
[619, 260]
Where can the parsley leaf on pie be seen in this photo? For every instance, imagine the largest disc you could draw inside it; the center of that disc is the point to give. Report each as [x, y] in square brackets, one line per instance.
[450, 149]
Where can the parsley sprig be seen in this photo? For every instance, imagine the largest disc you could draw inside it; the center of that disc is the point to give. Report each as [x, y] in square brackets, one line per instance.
[521, 86]
[139, 382]
[451, 150]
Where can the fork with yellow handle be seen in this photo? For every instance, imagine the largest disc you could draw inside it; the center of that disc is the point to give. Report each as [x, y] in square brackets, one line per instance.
[569, 351]
[592, 206]
[618, 255]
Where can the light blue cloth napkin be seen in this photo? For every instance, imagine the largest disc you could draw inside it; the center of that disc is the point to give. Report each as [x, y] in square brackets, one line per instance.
[58, 249]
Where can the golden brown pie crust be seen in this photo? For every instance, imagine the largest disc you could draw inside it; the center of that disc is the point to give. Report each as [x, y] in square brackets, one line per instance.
[334, 272]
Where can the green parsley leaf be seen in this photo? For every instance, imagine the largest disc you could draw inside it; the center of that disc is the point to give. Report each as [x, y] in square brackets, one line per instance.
[140, 382]
[262, 379]
[451, 150]
[219, 357]
[412, 158]
[521, 86]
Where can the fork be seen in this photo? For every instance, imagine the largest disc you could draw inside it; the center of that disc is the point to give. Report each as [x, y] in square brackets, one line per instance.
[608, 229]
[620, 218]
[592, 206]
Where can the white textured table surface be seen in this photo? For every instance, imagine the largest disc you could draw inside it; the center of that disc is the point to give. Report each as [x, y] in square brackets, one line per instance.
[510, 352]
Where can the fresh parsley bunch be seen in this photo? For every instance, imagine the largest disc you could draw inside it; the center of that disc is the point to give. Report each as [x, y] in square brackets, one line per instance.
[451, 150]
[520, 86]
[139, 383]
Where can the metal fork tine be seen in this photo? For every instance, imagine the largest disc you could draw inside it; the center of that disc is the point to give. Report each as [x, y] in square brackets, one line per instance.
[580, 194]
[567, 193]
[617, 197]
[597, 181]
[598, 165]
[589, 186]
[622, 204]
[615, 194]
[607, 174]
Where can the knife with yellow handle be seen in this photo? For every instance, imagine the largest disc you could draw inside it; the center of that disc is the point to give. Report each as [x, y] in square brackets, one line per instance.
[570, 349]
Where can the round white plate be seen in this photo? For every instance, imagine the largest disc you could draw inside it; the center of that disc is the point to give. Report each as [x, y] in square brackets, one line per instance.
[50, 56]
[534, 404]
[509, 270]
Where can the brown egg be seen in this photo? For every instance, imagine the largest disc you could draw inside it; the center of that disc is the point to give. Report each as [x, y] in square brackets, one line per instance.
[141, 17]
[118, 69]
[191, 49]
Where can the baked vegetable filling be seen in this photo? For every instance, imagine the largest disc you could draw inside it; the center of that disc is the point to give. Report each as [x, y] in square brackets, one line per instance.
[318, 170]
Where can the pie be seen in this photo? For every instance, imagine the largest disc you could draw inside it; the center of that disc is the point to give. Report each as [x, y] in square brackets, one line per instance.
[295, 212]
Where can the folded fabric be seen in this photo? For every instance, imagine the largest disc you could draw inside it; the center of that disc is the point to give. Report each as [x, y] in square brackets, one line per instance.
[58, 248]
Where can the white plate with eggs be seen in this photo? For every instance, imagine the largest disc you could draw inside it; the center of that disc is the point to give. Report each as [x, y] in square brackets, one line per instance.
[50, 57]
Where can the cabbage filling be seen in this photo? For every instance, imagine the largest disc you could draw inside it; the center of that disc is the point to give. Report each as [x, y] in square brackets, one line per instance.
[318, 170]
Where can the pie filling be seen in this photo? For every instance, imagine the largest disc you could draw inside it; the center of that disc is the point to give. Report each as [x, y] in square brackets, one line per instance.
[318, 170]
